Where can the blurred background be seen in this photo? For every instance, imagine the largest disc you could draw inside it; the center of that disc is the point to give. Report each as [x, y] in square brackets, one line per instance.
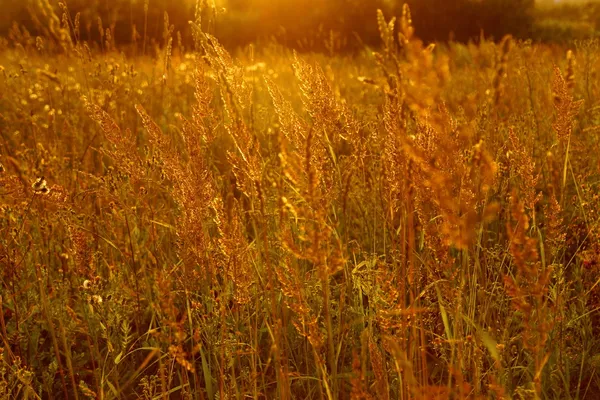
[314, 24]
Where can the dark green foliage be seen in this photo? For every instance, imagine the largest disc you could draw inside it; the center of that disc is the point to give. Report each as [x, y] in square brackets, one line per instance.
[465, 19]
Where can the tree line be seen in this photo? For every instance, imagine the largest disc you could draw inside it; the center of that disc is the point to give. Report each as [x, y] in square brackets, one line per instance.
[297, 23]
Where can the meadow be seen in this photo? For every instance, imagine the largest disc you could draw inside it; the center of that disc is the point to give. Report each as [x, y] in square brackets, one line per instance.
[412, 221]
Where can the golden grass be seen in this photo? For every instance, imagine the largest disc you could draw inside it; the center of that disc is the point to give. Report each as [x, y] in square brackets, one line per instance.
[416, 223]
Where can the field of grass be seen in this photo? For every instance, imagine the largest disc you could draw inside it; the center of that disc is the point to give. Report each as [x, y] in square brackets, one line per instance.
[409, 222]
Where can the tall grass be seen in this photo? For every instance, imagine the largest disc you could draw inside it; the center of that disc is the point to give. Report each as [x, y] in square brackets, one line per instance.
[415, 223]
